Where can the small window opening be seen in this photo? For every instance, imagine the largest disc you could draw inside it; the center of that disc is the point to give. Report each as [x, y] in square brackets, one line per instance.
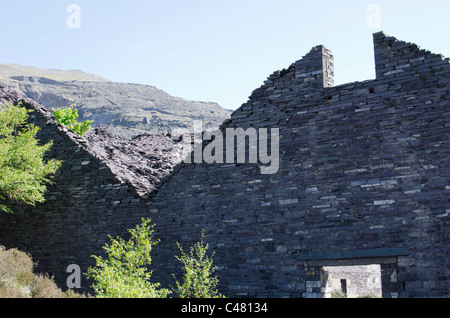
[344, 286]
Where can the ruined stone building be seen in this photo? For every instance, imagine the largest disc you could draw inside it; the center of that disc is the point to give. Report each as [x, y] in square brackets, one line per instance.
[363, 179]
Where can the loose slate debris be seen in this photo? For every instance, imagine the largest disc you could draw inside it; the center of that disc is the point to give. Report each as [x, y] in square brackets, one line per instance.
[143, 160]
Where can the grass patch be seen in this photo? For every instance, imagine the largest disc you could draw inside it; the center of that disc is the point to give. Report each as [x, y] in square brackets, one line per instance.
[17, 279]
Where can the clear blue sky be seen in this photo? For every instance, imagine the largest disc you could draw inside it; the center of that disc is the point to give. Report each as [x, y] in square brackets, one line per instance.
[211, 50]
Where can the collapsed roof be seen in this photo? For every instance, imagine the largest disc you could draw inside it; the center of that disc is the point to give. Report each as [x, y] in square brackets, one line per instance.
[144, 161]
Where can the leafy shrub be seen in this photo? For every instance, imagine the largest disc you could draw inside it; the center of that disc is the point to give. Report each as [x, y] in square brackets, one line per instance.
[199, 281]
[124, 274]
[338, 294]
[68, 117]
[370, 296]
[23, 171]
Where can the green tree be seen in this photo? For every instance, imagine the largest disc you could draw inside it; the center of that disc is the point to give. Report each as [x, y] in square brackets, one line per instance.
[198, 279]
[68, 117]
[124, 273]
[23, 171]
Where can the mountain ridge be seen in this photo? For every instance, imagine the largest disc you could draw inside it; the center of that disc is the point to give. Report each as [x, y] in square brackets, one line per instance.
[127, 109]
[8, 70]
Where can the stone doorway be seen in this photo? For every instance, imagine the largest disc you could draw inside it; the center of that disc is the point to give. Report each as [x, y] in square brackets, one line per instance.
[374, 276]
[351, 281]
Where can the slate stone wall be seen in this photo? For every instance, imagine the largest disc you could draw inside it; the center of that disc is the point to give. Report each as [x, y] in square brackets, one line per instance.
[363, 177]
[85, 203]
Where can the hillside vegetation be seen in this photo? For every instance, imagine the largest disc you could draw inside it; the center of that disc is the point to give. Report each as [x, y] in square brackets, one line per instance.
[17, 279]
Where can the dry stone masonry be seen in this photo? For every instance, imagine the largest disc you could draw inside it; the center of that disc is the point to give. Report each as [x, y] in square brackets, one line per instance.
[363, 180]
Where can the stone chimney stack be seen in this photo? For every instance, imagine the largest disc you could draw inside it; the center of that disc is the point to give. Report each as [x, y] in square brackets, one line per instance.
[316, 69]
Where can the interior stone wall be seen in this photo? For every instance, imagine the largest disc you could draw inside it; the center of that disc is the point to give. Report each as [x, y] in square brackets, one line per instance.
[360, 280]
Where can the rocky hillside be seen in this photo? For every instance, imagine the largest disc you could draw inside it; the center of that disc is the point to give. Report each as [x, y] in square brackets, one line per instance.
[125, 109]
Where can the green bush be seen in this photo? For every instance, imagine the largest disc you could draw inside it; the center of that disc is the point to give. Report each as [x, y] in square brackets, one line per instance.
[68, 117]
[23, 171]
[370, 296]
[338, 294]
[124, 273]
[199, 281]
